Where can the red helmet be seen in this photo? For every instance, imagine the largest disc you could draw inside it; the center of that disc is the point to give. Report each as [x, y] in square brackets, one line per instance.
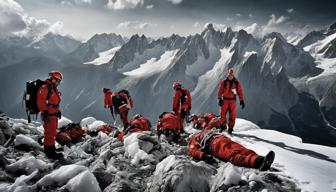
[57, 75]
[176, 85]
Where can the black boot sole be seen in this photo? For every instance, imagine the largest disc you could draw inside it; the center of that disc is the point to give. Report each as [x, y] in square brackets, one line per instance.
[268, 161]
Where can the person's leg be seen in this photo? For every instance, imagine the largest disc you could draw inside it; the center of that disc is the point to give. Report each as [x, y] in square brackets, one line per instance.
[124, 120]
[233, 114]
[224, 110]
[50, 130]
[225, 149]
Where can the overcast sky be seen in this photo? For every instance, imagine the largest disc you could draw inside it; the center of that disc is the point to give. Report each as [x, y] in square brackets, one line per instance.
[84, 18]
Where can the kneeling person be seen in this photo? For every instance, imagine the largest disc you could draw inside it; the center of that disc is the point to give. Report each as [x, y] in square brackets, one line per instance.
[169, 125]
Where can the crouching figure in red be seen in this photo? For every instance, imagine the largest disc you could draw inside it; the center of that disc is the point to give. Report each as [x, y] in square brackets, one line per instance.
[209, 143]
[138, 124]
[169, 125]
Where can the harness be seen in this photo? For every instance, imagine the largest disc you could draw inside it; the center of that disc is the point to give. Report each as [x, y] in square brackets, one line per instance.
[206, 139]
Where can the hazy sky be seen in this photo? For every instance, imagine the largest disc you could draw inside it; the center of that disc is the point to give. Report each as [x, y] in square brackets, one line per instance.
[83, 18]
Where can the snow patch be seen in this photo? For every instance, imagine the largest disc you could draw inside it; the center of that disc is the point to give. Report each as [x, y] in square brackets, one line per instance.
[28, 165]
[104, 57]
[25, 140]
[84, 182]
[62, 175]
[63, 122]
[154, 65]
[87, 121]
[132, 149]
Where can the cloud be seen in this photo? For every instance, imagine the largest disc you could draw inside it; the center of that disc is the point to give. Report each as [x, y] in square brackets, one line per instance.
[196, 24]
[124, 4]
[290, 10]
[14, 21]
[276, 21]
[83, 1]
[150, 6]
[250, 15]
[238, 15]
[253, 29]
[216, 26]
[11, 14]
[135, 25]
[175, 1]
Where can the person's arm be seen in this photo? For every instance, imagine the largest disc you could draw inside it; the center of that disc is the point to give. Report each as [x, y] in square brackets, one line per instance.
[240, 92]
[220, 90]
[189, 99]
[42, 95]
[176, 100]
[105, 100]
[131, 102]
[194, 149]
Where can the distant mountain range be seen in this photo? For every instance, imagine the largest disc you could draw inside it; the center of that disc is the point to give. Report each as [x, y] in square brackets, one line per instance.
[288, 87]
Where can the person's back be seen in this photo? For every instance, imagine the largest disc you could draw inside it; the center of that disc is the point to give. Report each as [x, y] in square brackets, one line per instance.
[170, 121]
[139, 124]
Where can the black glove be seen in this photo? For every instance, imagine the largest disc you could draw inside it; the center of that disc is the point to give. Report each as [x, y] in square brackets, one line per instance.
[220, 102]
[59, 114]
[242, 104]
[208, 159]
[45, 116]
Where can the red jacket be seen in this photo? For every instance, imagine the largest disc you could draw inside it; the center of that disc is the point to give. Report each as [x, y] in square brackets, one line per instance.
[139, 125]
[194, 147]
[209, 116]
[178, 99]
[226, 87]
[52, 104]
[215, 122]
[108, 99]
[169, 121]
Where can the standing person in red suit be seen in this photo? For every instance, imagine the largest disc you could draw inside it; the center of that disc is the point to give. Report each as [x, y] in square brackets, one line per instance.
[229, 89]
[108, 100]
[48, 100]
[181, 102]
[118, 102]
[209, 143]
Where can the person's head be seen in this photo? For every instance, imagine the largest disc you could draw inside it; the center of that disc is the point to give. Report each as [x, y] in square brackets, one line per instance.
[105, 90]
[137, 116]
[230, 75]
[176, 85]
[55, 77]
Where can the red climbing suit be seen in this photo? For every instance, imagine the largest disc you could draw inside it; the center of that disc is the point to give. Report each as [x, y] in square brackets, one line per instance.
[108, 98]
[169, 121]
[182, 101]
[51, 106]
[222, 148]
[228, 90]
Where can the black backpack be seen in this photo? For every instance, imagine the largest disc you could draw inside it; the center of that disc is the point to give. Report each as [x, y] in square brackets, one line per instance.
[118, 101]
[30, 97]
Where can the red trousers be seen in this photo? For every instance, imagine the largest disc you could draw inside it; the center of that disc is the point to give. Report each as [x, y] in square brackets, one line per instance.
[50, 130]
[178, 114]
[228, 106]
[225, 149]
[124, 119]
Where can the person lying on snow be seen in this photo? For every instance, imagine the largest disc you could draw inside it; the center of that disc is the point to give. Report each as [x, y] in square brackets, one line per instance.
[138, 124]
[169, 124]
[209, 144]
